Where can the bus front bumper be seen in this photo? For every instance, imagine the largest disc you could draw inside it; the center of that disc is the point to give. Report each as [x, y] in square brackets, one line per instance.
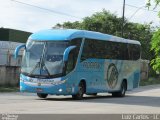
[57, 89]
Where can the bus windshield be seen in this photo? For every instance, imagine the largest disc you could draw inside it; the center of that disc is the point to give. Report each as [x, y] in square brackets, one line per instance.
[43, 58]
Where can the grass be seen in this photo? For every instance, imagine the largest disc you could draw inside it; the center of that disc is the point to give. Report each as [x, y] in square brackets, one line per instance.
[150, 81]
[9, 89]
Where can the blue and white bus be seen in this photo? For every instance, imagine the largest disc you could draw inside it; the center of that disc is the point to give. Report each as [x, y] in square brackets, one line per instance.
[77, 62]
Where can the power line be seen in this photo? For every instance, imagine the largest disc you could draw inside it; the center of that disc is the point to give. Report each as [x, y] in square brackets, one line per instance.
[138, 8]
[65, 14]
[141, 8]
[53, 11]
[134, 14]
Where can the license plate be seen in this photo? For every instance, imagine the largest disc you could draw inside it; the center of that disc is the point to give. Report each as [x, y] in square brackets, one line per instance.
[39, 90]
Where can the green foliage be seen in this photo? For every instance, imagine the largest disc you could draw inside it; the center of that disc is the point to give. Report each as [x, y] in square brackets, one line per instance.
[148, 4]
[155, 47]
[155, 43]
[109, 23]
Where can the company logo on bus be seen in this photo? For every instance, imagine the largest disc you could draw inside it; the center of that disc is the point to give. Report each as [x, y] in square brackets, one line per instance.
[39, 84]
[112, 76]
[92, 65]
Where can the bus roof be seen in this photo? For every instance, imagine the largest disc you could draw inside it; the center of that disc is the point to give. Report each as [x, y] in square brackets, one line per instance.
[68, 34]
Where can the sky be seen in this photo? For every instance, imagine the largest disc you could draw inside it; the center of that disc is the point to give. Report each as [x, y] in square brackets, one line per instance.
[27, 18]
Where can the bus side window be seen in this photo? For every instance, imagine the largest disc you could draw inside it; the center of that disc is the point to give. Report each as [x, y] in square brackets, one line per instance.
[71, 62]
[134, 51]
[86, 50]
[89, 49]
[77, 42]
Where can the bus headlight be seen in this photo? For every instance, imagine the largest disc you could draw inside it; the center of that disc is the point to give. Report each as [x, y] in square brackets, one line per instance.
[60, 90]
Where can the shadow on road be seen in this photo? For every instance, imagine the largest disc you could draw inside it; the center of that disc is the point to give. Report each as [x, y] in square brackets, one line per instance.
[128, 100]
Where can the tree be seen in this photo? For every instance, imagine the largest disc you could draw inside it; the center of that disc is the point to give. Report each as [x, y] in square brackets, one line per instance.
[109, 23]
[156, 48]
[155, 43]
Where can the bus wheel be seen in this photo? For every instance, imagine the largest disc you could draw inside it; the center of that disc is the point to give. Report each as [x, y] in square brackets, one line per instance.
[122, 92]
[81, 91]
[93, 94]
[42, 95]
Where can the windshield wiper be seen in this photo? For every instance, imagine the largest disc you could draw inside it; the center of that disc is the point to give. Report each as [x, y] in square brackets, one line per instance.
[42, 66]
[37, 64]
[45, 68]
[41, 63]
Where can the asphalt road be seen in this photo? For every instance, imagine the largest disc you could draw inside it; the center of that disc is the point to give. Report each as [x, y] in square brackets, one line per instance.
[141, 100]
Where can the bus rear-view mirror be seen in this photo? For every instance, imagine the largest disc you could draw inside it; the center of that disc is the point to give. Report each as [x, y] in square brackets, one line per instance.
[66, 52]
[18, 48]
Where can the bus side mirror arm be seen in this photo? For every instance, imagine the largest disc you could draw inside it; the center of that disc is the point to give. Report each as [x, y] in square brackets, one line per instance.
[18, 49]
[66, 53]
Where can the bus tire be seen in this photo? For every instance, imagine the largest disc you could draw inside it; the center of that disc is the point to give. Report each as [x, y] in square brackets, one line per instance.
[42, 95]
[81, 91]
[122, 92]
[93, 94]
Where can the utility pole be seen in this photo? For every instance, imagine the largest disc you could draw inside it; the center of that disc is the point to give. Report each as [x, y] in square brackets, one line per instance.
[123, 18]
